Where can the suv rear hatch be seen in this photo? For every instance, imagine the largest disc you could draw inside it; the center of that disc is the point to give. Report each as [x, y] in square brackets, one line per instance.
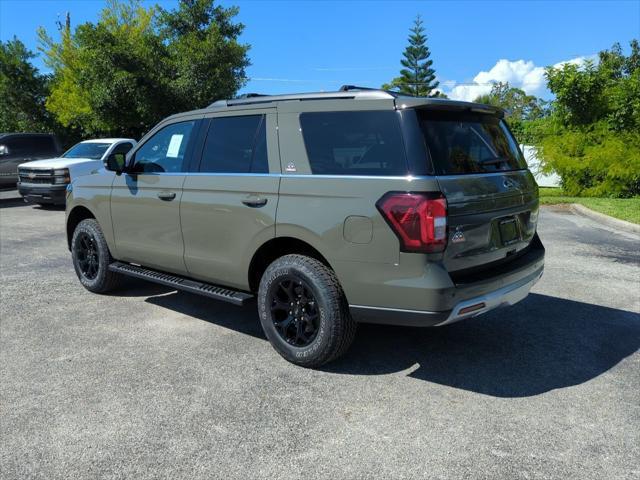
[492, 198]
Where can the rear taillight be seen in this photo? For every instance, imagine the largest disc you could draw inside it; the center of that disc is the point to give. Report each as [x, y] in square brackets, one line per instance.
[418, 219]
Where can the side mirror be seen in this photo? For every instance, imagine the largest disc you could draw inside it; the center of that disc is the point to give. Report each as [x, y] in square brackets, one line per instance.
[115, 163]
[4, 150]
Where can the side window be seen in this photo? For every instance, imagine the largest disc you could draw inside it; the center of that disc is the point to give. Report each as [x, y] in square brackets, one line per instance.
[43, 145]
[354, 143]
[13, 146]
[165, 151]
[123, 148]
[20, 146]
[236, 145]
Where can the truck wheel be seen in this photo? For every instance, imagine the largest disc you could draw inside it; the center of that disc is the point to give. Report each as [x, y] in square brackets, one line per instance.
[304, 312]
[91, 258]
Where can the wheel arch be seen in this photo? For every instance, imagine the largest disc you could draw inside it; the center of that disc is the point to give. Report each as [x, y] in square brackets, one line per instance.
[275, 248]
[76, 215]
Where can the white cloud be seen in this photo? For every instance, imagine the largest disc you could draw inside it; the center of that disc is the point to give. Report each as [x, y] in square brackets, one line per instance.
[519, 73]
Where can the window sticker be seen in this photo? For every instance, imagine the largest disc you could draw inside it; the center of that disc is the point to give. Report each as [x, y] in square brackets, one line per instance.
[174, 145]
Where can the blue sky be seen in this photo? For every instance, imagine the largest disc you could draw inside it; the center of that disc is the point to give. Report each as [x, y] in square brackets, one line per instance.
[314, 45]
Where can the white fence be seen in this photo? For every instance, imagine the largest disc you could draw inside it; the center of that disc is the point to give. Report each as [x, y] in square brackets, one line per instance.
[544, 180]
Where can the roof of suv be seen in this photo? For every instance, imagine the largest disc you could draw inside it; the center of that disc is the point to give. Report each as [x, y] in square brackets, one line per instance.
[350, 92]
[346, 92]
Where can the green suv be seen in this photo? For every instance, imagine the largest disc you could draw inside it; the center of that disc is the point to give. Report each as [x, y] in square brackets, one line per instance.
[326, 209]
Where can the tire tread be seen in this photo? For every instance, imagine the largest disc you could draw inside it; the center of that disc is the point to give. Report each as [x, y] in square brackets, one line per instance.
[344, 327]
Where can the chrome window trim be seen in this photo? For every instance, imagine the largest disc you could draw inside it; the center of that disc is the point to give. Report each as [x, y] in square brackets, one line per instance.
[408, 178]
[480, 174]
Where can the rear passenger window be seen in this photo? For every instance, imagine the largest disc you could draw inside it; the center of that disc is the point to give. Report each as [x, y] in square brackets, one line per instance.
[236, 145]
[354, 143]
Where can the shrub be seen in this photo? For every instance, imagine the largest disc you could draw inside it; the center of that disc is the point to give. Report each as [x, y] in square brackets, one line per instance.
[594, 161]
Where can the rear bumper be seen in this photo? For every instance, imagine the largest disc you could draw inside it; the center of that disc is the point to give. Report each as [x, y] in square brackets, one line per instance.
[503, 297]
[54, 194]
[503, 286]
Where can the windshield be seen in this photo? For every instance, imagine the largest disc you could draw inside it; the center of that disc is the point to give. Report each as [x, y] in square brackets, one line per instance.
[462, 143]
[94, 151]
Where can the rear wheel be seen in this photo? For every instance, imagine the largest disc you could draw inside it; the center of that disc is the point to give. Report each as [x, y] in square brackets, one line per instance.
[91, 258]
[303, 311]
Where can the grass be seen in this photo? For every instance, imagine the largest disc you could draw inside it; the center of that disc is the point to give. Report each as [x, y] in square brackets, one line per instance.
[623, 208]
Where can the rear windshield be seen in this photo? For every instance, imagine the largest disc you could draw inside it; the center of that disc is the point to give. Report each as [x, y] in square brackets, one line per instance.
[461, 143]
[354, 143]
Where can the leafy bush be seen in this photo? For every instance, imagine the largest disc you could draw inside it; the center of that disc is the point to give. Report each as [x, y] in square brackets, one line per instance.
[592, 138]
[594, 161]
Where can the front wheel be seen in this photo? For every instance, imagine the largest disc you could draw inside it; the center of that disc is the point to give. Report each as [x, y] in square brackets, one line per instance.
[303, 311]
[91, 258]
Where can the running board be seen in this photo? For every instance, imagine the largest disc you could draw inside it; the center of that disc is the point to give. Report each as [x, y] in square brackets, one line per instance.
[181, 283]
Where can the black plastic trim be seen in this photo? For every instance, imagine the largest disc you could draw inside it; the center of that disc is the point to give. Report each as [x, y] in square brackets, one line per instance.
[418, 159]
[527, 256]
[55, 194]
[182, 283]
[399, 317]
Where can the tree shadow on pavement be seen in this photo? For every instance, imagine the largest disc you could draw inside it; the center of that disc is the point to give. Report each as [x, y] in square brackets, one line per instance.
[542, 343]
[538, 345]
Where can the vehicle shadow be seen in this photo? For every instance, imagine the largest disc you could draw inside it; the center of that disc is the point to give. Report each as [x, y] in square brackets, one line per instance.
[133, 287]
[540, 344]
[241, 319]
[11, 202]
[55, 208]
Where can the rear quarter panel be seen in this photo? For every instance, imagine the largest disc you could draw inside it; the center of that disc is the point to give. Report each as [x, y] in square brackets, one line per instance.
[337, 215]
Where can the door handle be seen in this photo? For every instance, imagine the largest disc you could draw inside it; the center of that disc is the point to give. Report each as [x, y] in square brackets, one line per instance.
[255, 202]
[167, 196]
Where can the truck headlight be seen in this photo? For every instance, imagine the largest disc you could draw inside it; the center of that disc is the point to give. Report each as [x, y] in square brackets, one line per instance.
[61, 176]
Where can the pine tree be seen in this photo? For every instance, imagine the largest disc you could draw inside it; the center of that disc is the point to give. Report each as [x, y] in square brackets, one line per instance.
[417, 78]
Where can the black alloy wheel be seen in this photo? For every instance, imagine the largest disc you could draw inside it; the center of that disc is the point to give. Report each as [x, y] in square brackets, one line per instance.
[91, 258]
[294, 311]
[87, 255]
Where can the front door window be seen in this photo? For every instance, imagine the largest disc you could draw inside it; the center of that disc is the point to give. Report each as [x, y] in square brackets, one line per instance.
[165, 151]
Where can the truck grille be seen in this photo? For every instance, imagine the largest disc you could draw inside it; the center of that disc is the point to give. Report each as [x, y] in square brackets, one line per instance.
[33, 175]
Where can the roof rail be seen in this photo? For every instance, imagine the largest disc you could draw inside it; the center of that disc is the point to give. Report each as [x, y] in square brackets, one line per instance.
[250, 95]
[356, 88]
[360, 93]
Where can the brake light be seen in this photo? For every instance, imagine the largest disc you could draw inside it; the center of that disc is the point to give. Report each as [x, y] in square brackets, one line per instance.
[418, 219]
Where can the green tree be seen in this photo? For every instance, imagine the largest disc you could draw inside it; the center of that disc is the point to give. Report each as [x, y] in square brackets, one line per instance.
[417, 78]
[202, 45]
[521, 109]
[518, 104]
[579, 92]
[593, 135]
[137, 65]
[23, 91]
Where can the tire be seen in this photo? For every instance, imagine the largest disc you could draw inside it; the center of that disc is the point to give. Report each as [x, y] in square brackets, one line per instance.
[327, 330]
[91, 258]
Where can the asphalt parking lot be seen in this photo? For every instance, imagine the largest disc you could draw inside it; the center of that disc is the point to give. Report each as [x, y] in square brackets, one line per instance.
[152, 383]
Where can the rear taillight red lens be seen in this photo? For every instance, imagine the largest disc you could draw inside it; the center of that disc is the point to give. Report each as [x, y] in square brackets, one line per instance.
[418, 219]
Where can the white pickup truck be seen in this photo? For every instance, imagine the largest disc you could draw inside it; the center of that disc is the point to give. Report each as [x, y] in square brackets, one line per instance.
[45, 181]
